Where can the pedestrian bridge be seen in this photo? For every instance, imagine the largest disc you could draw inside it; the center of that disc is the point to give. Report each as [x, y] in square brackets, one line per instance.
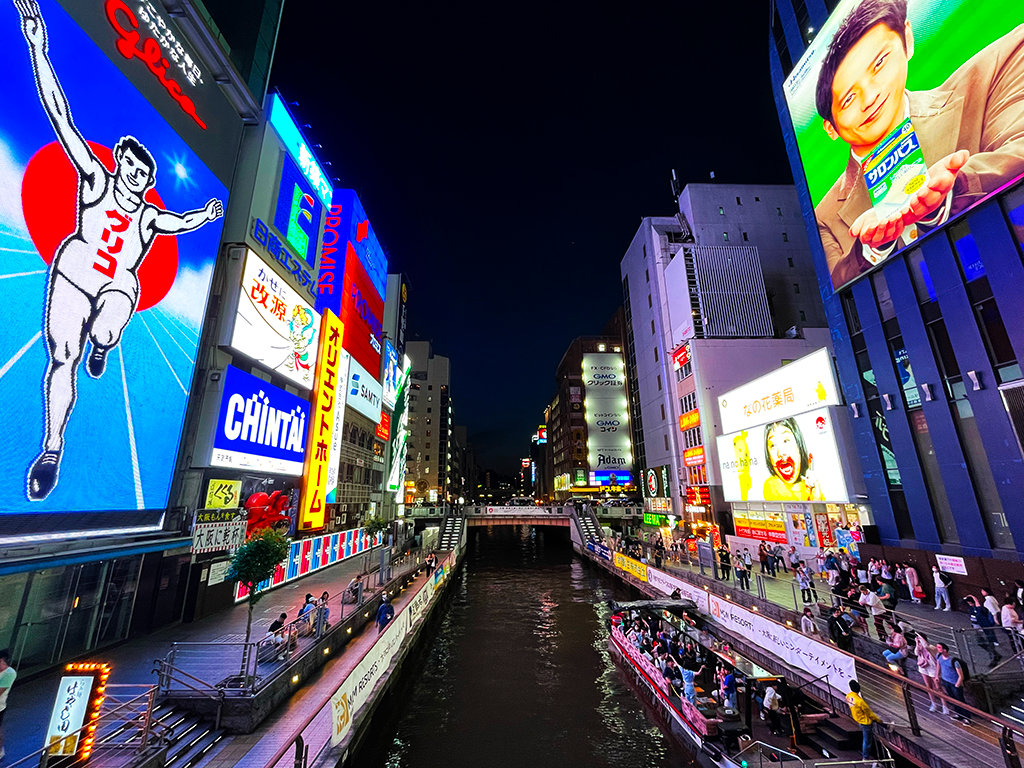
[554, 516]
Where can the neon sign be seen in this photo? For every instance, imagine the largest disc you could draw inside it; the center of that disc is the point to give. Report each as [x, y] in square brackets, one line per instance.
[281, 121]
[151, 54]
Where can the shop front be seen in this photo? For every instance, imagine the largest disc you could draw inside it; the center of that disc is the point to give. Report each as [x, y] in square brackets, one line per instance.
[804, 526]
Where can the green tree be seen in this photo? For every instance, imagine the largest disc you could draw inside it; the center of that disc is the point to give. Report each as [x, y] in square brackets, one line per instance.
[375, 525]
[255, 562]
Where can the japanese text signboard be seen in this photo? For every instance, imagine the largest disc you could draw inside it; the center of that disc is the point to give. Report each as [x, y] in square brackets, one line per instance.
[331, 380]
[274, 326]
[217, 530]
[607, 413]
[798, 387]
[79, 698]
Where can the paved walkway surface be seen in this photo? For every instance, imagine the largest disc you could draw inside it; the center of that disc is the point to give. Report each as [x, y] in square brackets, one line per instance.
[255, 750]
[30, 704]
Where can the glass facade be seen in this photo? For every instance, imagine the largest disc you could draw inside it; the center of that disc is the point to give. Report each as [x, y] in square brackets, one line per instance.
[55, 614]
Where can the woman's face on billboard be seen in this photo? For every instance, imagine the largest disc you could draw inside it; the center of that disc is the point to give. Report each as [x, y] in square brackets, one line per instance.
[784, 453]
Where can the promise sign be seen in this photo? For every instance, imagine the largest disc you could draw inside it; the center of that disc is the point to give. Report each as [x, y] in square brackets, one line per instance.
[329, 376]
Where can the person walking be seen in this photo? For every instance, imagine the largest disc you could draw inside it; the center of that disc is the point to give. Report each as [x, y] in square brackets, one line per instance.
[803, 580]
[794, 558]
[807, 623]
[913, 583]
[991, 605]
[873, 605]
[779, 559]
[952, 674]
[928, 668]
[981, 619]
[863, 715]
[942, 584]
[7, 676]
[839, 631]
[771, 707]
[385, 613]
[1011, 622]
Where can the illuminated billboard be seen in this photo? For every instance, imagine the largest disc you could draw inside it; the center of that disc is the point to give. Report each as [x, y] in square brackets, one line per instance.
[792, 459]
[298, 212]
[331, 380]
[348, 234]
[607, 413]
[364, 392]
[616, 479]
[391, 374]
[362, 312]
[901, 120]
[110, 225]
[274, 326]
[803, 384]
[259, 426]
[283, 123]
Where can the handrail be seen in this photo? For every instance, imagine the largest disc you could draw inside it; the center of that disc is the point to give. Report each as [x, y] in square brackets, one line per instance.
[166, 665]
[1018, 657]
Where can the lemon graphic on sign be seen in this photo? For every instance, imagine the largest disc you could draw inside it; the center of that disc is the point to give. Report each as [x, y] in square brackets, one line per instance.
[820, 391]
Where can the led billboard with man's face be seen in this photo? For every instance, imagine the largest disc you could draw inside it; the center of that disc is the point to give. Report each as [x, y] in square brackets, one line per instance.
[109, 228]
[905, 114]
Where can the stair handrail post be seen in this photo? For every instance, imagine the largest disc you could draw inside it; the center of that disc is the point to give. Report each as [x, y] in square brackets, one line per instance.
[300, 749]
[908, 701]
[147, 720]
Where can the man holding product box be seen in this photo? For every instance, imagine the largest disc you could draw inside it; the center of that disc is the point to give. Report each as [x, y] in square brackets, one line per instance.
[927, 155]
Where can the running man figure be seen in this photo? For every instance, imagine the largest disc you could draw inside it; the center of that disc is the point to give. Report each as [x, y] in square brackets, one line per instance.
[93, 286]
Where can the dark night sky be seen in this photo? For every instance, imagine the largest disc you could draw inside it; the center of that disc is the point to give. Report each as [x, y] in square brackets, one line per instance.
[505, 156]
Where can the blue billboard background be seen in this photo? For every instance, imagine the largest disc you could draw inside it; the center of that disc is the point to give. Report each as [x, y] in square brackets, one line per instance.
[298, 212]
[268, 399]
[121, 440]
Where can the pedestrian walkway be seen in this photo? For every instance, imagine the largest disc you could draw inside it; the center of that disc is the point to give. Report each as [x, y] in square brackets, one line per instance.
[30, 704]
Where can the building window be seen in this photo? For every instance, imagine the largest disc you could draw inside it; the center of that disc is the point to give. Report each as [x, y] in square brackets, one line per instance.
[993, 332]
[647, 274]
[920, 277]
[850, 310]
[430, 386]
[666, 441]
[650, 303]
[971, 266]
[738, 201]
[803, 315]
[659, 382]
[745, 238]
[785, 237]
[428, 410]
[757, 199]
[725, 236]
[662, 411]
[427, 458]
[655, 354]
[779, 211]
[652, 327]
[944, 519]
[721, 211]
[796, 287]
[790, 261]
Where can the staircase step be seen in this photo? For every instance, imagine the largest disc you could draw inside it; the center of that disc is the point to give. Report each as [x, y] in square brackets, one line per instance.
[183, 745]
[197, 749]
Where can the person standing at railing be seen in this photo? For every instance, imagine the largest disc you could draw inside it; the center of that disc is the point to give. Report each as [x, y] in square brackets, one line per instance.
[820, 559]
[991, 605]
[981, 620]
[742, 573]
[807, 623]
[724, 561]
[7, 676]
[928, 667]
[863, 716]
[1011, 622]
[803, 580]
[385, 613]
[873, 604]
[953, 674]
[840, 632]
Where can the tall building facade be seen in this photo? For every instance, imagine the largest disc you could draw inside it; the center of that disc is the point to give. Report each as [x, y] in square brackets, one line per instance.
[927, 342]
[428, 474]
[719, 293]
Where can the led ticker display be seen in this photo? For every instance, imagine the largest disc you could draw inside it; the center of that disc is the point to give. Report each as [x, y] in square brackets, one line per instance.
[610, 478]
[929, 138]
[114, 284]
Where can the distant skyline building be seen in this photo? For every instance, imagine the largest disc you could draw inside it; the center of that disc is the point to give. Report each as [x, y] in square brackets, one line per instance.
[430, 425]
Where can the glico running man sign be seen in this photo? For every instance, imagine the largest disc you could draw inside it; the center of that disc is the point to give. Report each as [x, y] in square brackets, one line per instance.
[109, 227]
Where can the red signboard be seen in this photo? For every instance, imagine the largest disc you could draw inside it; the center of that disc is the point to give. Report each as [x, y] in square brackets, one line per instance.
[362, 310]
[698, 494]
[681, 356]
[384, 427]
[694, 457]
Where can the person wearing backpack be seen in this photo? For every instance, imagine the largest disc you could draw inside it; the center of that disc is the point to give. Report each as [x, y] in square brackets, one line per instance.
[942, 584]
[953, 674]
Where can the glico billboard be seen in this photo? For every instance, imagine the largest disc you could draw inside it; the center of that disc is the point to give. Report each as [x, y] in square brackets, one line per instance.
[114, 141]
[904, 117]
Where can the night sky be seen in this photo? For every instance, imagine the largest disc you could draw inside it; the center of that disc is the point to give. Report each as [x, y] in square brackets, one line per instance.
[506, 155]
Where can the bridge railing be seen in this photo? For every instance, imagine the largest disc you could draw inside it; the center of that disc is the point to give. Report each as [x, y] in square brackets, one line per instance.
[517, 511]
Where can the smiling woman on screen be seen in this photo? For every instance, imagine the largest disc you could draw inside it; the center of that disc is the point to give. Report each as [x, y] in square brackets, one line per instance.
[791, 466]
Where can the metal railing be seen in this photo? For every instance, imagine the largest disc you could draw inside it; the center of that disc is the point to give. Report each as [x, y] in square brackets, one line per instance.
[218, 669]
[125, 725]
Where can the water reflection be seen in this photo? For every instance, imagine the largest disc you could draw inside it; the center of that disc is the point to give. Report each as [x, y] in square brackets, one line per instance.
[519, 673]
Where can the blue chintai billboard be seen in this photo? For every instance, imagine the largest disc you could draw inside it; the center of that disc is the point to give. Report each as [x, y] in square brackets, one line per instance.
[109, 228]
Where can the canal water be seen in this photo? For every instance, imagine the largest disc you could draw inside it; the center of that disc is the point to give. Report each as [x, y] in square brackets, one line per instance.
[518, 672]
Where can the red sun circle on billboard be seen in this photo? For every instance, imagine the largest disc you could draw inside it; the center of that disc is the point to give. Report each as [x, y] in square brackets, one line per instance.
[49, 193]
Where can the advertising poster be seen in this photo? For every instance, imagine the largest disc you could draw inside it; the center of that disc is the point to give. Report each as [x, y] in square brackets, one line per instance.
[362, 312]
[392, 372]
[298, 212]
[274, 325]
[109, 229]
[905, 114]
[364, 392]
[331, 380]
[259, 426]
[798, 387]
[223, 494]
[607, 413]
[795, 459]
